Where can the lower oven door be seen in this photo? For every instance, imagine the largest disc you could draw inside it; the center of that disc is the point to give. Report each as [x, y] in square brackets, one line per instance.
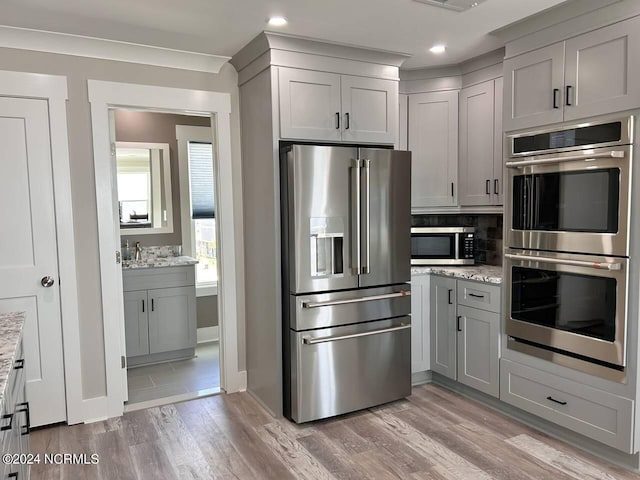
[575, 304]
[343, 369]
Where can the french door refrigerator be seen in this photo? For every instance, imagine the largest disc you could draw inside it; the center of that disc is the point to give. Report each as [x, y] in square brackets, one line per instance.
[346, 234]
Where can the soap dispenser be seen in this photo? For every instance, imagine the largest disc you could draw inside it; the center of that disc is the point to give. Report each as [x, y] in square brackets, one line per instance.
[126, 251]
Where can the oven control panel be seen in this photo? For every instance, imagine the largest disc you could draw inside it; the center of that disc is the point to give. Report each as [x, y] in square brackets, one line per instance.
[468, 245]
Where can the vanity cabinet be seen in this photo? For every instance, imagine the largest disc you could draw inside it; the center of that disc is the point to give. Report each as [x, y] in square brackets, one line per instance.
[465, 332]
[332, 107]
[591, 74]
[160, 313]
[433, 142]
[480, 155]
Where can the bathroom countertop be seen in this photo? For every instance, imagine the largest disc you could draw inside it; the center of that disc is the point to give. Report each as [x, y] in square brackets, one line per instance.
[478, 273]
[10, 330]
[159, 262]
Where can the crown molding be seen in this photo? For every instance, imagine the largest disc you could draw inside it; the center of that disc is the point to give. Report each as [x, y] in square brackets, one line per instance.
[90, 47]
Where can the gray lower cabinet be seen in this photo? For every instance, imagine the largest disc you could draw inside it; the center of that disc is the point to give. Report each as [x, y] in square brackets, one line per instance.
[464, 338]
[160, 323]
[14, 421]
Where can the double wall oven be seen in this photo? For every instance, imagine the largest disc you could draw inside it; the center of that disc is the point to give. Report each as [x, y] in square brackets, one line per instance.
[567, 232]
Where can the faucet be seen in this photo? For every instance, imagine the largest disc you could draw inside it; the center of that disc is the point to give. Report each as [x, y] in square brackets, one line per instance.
[138, 251]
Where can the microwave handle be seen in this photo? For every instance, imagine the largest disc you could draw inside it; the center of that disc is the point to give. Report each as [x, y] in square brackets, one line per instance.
[569, 158]
[560, 261]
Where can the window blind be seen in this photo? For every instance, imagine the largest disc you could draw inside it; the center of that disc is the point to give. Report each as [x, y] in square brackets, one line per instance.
[201, 180]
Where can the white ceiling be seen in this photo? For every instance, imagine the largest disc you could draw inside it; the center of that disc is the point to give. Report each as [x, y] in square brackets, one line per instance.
[222, 27]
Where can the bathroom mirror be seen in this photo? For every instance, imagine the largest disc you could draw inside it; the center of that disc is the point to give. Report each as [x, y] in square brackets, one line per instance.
[144, 188]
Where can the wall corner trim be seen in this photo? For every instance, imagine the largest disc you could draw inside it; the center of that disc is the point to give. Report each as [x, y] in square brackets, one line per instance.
[92, 47]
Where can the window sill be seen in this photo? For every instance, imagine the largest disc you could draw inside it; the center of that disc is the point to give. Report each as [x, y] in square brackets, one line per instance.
[207, 290]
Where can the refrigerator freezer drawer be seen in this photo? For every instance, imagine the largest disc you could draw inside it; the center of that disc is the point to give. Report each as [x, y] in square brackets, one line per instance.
[352, 306]
[343, 369]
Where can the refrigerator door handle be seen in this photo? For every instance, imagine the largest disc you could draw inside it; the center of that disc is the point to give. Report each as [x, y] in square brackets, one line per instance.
[355, 219]
[366, 218]
[313, 341]
[368, 298]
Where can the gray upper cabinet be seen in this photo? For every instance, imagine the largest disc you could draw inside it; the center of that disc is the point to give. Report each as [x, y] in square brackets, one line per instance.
[592, 74]
[327, 106]
[480, 173]
[433, 141]
[533, 88]
[602, 71]
[442, 293]
[478, 337]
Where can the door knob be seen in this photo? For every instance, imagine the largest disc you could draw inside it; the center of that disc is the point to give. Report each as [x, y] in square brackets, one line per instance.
[47, 281]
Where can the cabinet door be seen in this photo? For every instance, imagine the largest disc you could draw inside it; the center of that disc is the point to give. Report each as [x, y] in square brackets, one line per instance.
[498, 142]
[370, 110]
[433, 141]
[442, 312]
[478, 336]
[420, 344]
[476, 144]
[309, 105]
[532, 80]
[136, 323]
[602, 71]
[172, 319]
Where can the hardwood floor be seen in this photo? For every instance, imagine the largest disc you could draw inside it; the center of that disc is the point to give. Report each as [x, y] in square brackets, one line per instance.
[434, 434]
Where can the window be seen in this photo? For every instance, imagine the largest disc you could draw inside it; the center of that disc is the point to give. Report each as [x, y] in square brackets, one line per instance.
[197, 198]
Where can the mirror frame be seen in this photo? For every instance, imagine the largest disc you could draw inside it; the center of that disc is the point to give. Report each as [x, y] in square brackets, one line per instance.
[166, 188]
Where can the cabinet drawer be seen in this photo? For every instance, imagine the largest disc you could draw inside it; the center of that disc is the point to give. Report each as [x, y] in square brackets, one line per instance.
[162, 277]
[479, 295]
[594, 413]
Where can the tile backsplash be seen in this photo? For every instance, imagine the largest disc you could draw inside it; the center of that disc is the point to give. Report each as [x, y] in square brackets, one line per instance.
[488, 232]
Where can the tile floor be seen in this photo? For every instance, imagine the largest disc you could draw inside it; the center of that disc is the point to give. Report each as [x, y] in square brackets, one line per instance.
[176, 378]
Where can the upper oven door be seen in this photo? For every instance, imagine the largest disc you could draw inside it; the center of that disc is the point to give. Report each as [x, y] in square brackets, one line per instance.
[572, 202]
[574, 303]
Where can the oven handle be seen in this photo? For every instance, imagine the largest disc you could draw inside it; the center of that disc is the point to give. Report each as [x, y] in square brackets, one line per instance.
[545, 161]
[384, 296]
[313, 341]
[576, 263]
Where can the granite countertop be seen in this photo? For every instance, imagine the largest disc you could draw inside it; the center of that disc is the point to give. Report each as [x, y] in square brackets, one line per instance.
[10, 329]
[479, 273]
[158, 262]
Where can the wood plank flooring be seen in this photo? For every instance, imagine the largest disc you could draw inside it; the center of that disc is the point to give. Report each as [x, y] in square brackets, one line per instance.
[434, 434]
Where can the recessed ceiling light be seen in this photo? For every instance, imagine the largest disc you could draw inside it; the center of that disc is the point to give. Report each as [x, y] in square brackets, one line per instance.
[277, 21]
[437, 49]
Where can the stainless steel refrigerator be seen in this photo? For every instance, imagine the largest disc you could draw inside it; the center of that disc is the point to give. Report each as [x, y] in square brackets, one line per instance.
[346, 222]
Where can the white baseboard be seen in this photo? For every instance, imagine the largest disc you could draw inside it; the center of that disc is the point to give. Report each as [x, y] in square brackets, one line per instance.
[208, 334]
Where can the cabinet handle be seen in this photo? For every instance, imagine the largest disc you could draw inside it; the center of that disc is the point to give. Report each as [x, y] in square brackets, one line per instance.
[347, 123]
[153, 305]
[567, 95]
[450, 292]
[487, 187]
[142, 306]
[556, 91]
[19, 364]
[458, 323]
[337, 120]
[556, 401]
[13, 475]
[476, 296]
[496, 185]
[25, 410]
[8, 416]
[452, 189]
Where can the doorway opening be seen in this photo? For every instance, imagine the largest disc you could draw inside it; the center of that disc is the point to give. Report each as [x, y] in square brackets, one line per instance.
[166, 218]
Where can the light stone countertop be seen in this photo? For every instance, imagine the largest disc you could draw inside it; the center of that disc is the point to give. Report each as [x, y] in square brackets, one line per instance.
[10, 330]
[478, 273]
[158, 262]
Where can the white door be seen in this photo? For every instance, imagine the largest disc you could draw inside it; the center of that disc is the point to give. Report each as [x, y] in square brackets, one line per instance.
[309, 105]
[370, 110]
[28, 251]
[533, 88]
[602, 72]
[433, 142]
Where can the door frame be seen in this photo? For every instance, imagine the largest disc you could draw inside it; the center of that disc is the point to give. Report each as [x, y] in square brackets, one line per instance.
[53, 89]
[104, 96]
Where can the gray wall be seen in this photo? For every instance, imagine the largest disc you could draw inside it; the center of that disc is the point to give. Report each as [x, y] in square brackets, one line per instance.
[207, 311]
[78, 70]
[151, 127]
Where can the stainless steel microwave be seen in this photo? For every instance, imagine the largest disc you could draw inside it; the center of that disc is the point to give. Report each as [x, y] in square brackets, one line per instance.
[442, 246]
